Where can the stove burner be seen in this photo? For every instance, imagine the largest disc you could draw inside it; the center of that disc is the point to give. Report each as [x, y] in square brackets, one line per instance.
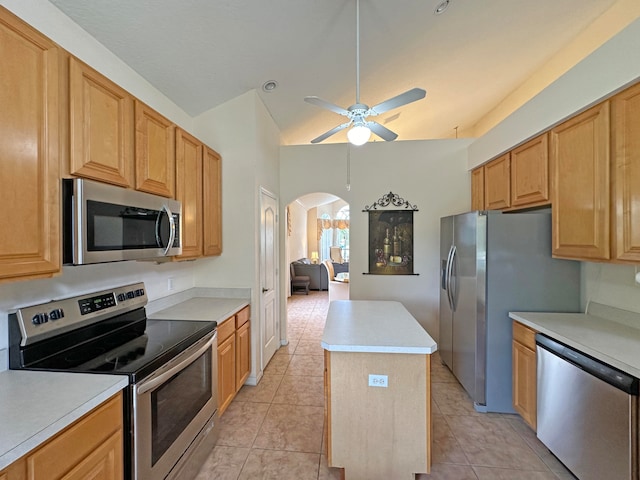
[76, 357]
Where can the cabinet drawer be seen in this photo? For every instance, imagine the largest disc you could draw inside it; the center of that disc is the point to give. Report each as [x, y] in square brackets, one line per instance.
[226, 329]
[524, 335]
[242, 317]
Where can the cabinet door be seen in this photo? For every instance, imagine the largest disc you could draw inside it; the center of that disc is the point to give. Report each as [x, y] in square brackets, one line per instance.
[104, 463]
[243, 354]
[524, 383]
[579, 157]
[626, 150]
[189, 192]
[497, 191]
[93, 444]
[530, 173]
[29, 151]
[226, 372]
[477, 189]
[212, 206]
[16, 471]
[155, 152]
[524, 373]
[101, 126]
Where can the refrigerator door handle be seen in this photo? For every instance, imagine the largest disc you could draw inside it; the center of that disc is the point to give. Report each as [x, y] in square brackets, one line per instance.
[448, 275]
[453, 284]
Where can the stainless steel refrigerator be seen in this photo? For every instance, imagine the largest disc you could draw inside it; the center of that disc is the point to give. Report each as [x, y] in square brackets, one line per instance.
[493, 263]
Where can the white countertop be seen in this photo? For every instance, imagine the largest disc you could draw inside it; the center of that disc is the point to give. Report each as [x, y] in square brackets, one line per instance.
[206, 309]
[610, 341]
[34, 406]
[375, 327]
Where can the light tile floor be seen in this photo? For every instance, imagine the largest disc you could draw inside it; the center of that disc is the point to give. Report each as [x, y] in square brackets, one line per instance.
[275, 429]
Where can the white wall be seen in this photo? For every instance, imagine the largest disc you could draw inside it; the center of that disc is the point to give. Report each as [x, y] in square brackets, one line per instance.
[242, 131]
[611, 67]
[297, 241]
[431, 174]
[246, 137]
[608, 69]
[76, 280]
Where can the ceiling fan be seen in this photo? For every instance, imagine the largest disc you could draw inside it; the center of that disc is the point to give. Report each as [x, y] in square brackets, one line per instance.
[358, 112]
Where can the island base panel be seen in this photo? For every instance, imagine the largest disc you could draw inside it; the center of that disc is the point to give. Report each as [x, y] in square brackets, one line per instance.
[379, 432]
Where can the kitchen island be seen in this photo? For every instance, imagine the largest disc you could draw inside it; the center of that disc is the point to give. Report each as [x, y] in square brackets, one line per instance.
[377, 390]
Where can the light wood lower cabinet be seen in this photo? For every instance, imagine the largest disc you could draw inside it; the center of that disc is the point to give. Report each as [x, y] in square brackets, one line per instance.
[234, 356]
[90, 448]
[525, 373]
[226, 364]
[243, 347]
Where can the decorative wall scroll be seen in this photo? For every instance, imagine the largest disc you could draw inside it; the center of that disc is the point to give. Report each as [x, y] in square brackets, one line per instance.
[391, 236]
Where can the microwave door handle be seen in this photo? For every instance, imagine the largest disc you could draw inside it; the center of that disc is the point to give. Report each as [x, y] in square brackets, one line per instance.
[154, 381]
[172, 229]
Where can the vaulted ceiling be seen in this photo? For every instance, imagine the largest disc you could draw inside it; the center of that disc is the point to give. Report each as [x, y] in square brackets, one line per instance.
[202, 53]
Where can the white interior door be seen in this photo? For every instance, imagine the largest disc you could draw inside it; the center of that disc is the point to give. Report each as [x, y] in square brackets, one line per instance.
[269, 324]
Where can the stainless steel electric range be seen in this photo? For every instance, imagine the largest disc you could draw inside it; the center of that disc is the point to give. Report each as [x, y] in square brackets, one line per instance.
[170, 412]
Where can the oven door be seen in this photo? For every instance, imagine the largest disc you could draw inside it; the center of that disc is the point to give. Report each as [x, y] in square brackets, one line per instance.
[171, 408]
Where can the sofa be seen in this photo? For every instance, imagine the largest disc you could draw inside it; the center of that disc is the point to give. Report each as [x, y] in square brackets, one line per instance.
[317, 273]
[318, 279]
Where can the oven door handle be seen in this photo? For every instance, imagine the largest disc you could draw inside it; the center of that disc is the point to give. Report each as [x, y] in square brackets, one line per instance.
[160, 378]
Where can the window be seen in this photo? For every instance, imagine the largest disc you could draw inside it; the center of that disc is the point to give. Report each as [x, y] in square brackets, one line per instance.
[326, 239]
[342, 234]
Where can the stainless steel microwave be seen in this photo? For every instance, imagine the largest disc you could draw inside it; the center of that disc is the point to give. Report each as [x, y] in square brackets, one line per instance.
[105, 223]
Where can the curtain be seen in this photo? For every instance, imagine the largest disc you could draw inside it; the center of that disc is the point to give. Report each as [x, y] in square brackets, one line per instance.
[326, 224]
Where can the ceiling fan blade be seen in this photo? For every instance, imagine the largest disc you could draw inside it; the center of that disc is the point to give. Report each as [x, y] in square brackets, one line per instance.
[383, 132]
[395, 102]
[326, 135]
[318, 102]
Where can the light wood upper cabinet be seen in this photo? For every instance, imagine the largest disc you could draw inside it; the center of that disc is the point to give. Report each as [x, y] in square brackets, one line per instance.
[579, 157]
[155, 169]
[29, 151]
[625, 114]
[477, 188]
[497, 179]
[530, 173]
[101, 127]
[212, 206]
[189, 192]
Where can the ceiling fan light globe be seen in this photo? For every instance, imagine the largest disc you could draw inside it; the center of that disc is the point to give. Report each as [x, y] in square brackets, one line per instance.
[359, 135]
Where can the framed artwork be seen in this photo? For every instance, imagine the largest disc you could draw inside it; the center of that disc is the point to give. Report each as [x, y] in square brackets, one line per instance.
[391, 237]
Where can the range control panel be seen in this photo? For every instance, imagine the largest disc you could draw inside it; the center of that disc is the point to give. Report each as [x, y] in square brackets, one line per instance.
[45, 320]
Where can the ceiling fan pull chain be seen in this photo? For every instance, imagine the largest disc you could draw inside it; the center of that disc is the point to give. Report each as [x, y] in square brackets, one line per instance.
[357, 51]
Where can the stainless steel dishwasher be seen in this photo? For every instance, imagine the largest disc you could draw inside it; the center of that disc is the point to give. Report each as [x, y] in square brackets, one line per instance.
[587, 413]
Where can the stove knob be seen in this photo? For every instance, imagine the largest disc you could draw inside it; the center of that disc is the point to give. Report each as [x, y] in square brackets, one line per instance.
[56, 314]
[40, 318]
